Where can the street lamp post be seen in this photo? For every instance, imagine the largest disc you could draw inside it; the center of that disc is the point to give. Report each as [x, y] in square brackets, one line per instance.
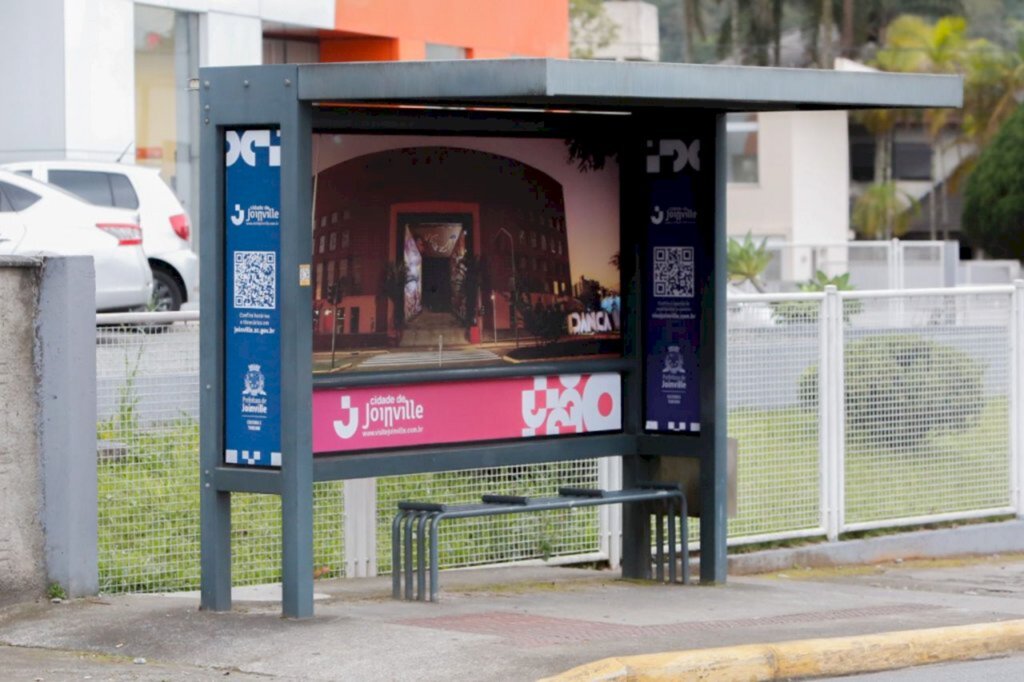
[515, 291]
[494, 318]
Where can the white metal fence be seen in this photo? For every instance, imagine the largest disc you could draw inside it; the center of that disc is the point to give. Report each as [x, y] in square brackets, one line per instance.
[853, 410]
[892, 264]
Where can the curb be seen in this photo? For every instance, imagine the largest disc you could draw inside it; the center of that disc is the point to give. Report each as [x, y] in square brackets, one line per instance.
[810, 657]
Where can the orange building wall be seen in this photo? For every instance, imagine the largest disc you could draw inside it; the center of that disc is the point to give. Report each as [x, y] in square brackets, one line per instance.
[487, 28]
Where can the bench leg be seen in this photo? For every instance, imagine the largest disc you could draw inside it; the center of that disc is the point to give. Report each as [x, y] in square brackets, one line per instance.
[672, 555]
[396, 555]
[684, 534]
[659, 539]
[407, 563]
[435, 521]
[421, 558]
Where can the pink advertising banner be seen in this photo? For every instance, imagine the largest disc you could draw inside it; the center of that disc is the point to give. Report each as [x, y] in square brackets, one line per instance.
[359, 419]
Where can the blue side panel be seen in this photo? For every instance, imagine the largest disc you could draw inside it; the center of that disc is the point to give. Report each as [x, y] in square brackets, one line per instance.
[252, 333]
[676, 268]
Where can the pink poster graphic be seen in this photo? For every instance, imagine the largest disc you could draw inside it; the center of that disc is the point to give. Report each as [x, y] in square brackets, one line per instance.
[360, 419]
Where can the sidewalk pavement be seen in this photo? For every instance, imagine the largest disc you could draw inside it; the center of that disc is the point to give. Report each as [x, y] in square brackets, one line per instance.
[522, 623]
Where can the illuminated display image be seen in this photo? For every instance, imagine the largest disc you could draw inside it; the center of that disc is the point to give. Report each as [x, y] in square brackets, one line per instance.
[451, 251]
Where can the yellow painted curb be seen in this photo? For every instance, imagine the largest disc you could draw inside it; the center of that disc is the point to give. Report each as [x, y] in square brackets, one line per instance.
[809, 657]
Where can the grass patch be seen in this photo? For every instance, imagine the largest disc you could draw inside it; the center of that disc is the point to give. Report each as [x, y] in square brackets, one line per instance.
[778, 471]
[149, 516]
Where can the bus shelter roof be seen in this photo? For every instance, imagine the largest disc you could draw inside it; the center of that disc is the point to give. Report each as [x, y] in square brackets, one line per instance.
[617, 86]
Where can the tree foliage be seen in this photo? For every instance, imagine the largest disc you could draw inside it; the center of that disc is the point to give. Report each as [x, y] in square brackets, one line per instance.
[590, 28]
[993, 217]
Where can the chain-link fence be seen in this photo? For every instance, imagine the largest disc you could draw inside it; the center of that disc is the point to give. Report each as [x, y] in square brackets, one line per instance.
[927, 401]
[775, 425]
[852, 410]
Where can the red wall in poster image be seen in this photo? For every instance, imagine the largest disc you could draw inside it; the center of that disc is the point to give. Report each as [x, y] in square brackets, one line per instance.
[362, 197]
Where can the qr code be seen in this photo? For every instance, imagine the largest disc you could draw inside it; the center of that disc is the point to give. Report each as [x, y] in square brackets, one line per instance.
[673, 271]
[255, 279]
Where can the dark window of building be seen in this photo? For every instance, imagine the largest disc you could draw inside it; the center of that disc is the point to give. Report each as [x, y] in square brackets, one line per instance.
[912, 160]
[354, 324]
[741, 132]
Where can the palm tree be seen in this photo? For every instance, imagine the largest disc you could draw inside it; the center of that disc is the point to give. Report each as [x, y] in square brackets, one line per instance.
[693, 26]
[883, 211]
[914, 44]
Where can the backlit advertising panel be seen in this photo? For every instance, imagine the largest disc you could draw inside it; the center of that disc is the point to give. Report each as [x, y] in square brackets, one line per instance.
[463, 252]
[252, 320]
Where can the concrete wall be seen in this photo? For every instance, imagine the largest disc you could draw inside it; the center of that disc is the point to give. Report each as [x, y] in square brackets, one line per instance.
[72, 65]
[22, 550]
[34, 78]
[802, 193]
[48, 522]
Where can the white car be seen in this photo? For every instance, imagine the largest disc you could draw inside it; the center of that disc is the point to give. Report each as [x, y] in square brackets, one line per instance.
[164, 222]
[39, 219]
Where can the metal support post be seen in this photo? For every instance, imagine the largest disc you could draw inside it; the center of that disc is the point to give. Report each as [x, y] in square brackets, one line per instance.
[1016, 407]
[714, 462]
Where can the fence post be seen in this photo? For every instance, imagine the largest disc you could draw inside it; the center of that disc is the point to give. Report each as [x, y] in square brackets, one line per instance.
[1017, 397]
[609, 519]
[361, 528]
[896, 264]
[830, 362]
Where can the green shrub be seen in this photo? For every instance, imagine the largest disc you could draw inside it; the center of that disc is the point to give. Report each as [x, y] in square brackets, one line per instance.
[901, 388]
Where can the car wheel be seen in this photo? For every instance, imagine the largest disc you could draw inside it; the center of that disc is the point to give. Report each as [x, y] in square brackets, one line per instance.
[167, 294]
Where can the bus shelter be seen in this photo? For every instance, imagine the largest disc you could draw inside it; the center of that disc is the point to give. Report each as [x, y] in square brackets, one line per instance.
[523, 261]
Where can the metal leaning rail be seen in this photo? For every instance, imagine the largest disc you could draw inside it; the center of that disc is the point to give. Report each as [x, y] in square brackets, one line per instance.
[425, 517]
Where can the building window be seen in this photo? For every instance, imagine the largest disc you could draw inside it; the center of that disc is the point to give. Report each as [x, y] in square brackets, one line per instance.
[741, 145]
[334, 217]
[439, 51]
[343, 268]
[333, 244]
[344, 239]
[319, 280]
[543, 243]
[911, 155]
[287, 51]
[320, 248]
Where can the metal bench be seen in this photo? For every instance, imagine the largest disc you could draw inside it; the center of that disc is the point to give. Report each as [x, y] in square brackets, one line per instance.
[422, 519]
